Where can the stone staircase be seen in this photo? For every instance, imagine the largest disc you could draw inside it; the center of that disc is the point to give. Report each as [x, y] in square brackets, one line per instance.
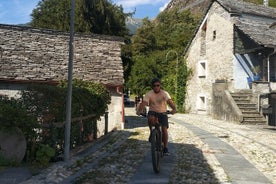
[249, 110]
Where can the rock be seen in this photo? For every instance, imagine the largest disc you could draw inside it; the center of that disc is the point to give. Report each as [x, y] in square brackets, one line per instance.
[12, 144]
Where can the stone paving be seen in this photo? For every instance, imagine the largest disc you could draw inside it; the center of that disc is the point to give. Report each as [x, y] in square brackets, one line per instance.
[115, 159]
[255, 142]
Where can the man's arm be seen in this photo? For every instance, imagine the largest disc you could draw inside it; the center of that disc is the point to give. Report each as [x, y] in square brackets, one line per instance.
[171, 104]
[141, 107]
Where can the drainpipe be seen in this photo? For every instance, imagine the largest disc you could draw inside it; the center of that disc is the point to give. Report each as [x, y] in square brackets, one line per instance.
[123, 107]
[268, 64]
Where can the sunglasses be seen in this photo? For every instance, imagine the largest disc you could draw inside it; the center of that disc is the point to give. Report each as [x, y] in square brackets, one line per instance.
[156, 85]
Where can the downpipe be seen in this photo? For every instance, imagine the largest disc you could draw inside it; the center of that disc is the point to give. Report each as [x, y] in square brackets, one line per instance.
[268, 64]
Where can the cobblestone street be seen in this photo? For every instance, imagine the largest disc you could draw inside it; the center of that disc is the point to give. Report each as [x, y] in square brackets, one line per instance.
[256, 143]
[118, 157]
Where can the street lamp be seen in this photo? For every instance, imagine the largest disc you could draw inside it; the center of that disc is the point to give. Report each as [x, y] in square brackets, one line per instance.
[175, 54]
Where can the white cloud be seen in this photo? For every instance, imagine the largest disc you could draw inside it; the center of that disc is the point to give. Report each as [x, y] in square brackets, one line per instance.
[129, 4]
[132, 3]
[163, 7]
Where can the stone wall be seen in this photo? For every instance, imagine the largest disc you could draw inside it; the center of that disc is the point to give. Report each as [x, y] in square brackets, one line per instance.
[224, 106]
[218, 59]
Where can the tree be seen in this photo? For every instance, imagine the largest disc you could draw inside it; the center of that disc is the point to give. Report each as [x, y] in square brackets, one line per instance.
[171, 30]
[144, 41]
[91, 16]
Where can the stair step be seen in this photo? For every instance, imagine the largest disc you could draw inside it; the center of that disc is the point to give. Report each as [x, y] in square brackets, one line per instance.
[241, 97]
[253, 122]
[250, 106]
[241, 94]
[252, 115]
[242, 101]
[247, 106]
[248, 109]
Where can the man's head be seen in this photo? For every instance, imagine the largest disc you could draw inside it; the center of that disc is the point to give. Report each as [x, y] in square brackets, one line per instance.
[156, 85]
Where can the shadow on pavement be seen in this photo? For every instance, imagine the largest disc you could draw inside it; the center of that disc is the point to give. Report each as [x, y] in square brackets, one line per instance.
[186, 164]
[108, 161]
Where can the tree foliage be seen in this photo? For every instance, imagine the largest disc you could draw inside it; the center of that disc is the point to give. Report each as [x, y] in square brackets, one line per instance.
[156, 51]
[144, 41]
[91, 16]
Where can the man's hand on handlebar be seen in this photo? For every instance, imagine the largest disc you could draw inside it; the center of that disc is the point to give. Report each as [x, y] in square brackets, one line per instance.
[173, 111]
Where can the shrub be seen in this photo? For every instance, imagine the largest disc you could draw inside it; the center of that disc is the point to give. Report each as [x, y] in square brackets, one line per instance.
[44, 154]
[41, 107]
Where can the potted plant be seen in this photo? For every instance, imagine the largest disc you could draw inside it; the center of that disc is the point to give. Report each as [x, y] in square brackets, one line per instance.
[256, 71]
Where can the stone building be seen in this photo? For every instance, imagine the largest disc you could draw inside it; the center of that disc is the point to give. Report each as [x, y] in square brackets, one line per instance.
[233, 41]
[41, 56]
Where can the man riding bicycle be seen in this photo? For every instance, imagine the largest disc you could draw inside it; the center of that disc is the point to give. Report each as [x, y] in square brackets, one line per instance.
[157, 100]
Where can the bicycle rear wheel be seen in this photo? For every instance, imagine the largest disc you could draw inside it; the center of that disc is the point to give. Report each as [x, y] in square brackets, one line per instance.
[155, 151]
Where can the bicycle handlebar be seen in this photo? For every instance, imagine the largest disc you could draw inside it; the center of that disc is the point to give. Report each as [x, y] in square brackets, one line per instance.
[168, 112]
[164, 113]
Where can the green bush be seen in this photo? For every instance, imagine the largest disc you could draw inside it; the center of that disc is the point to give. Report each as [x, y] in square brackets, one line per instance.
[44, 154]
[13, 114]
[40, 107]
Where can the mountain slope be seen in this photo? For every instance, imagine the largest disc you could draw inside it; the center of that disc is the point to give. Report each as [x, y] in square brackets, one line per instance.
[133, 24]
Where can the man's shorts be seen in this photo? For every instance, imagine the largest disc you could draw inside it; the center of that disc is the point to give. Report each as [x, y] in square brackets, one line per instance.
[162, 118]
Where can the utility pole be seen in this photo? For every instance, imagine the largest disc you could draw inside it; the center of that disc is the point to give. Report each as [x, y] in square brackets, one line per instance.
[69, 85]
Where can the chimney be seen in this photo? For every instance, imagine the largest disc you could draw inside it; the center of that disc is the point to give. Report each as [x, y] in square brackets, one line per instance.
[266, 3]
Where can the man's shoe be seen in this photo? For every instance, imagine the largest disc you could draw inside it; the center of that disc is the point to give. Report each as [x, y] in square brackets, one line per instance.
[166, 151]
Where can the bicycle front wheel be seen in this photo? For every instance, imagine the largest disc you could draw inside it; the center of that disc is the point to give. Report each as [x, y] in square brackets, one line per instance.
[155, 151]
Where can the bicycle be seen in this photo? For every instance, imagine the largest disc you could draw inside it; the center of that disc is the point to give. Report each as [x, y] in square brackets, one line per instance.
[156, 145]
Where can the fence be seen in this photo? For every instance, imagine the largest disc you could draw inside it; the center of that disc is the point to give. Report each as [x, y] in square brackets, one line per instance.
[83, 129]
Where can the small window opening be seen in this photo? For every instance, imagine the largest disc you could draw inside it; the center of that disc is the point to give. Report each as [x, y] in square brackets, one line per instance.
[202, 66]
[214, 35]
[201, 102]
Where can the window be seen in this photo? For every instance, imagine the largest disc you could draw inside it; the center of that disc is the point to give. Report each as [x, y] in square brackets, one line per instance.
[214, 35]
[202, 68]
[201, 102]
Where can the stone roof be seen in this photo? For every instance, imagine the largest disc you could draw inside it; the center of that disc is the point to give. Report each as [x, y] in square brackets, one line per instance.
[256, 21]
[263, 33]
[248, 8]
[28, 54]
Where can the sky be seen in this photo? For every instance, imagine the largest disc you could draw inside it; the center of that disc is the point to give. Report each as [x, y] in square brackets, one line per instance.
[18, 11]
